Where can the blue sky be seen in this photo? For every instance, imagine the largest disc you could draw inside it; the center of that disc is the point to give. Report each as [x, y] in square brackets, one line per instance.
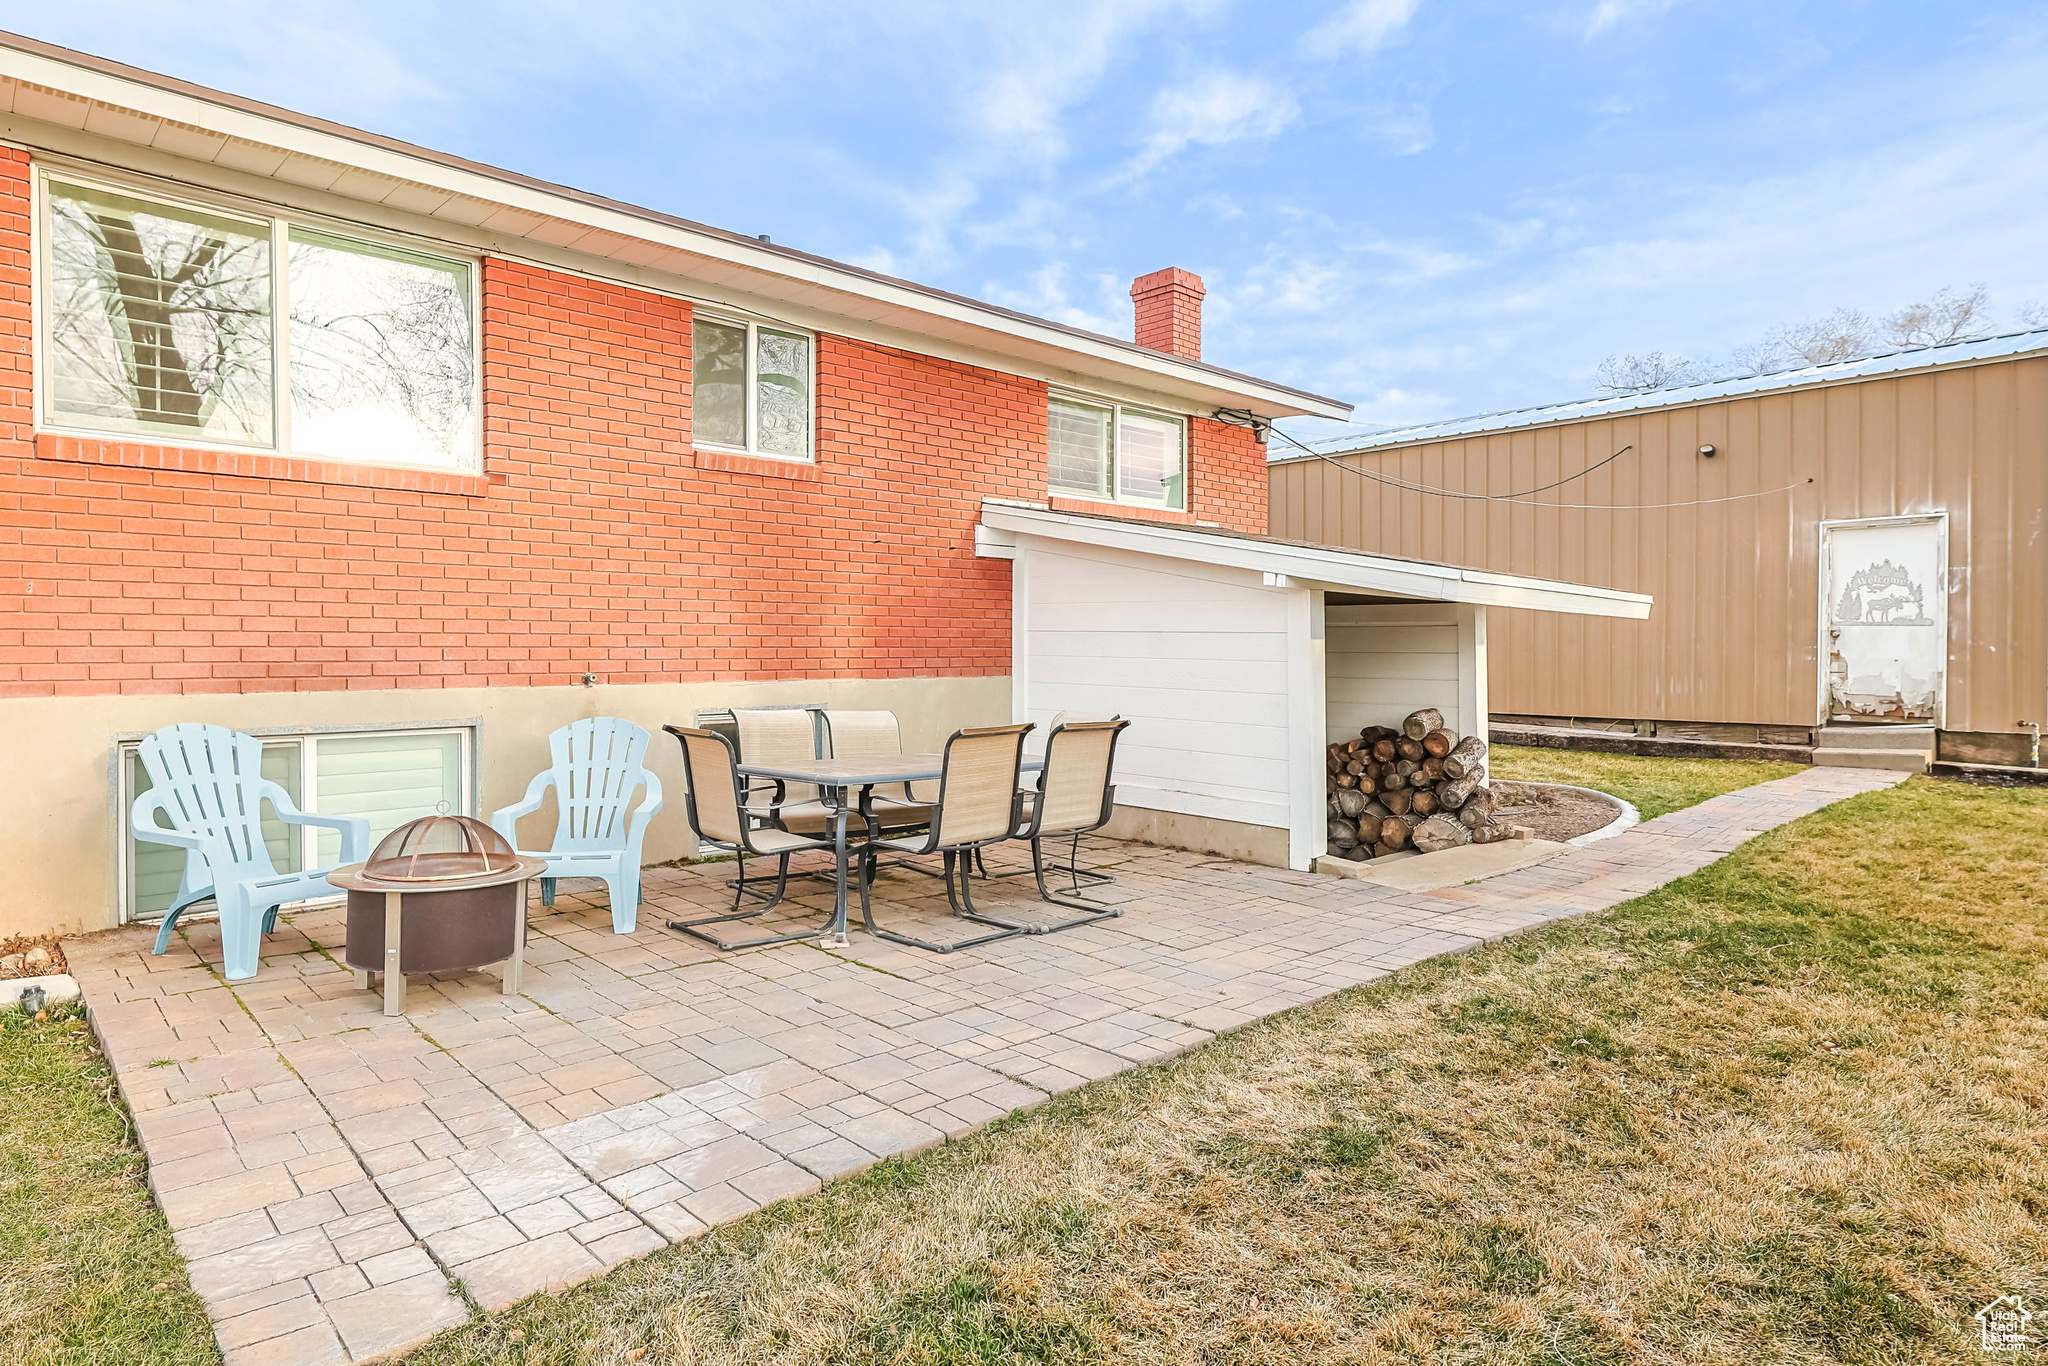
[1426, 208]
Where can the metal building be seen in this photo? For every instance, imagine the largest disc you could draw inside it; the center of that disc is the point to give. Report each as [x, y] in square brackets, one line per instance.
[1844, 546]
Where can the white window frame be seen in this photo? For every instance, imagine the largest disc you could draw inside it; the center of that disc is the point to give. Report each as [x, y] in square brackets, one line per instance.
[308, 836]
[281, 223]
[752, 385]
[1117, 411]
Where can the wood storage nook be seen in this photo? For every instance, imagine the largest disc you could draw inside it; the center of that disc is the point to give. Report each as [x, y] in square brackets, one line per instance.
[1381, 801]
[1238, 659]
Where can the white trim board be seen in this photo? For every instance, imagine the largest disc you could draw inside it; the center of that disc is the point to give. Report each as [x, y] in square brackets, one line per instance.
[1336, 570]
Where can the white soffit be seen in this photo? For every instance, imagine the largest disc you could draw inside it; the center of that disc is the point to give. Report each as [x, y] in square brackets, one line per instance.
[88, 94]
[1322, 566]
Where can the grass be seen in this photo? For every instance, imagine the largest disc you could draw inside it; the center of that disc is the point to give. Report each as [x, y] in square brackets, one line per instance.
[1655, 786]
[88, 1272]
[1789, 1109]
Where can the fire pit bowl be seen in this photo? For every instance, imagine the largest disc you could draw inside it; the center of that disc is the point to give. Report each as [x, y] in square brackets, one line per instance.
[439, 894]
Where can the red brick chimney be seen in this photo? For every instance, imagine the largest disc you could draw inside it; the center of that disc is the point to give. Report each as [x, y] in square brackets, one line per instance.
[1169, 305]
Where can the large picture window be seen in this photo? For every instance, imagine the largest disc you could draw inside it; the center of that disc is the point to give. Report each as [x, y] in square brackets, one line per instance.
[751, 388]
[163, 319]
[1116, 453]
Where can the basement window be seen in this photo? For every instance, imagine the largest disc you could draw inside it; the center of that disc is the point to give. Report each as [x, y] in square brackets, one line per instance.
[1117, 454]
[213, 326]
[388, 777]
[751, 388]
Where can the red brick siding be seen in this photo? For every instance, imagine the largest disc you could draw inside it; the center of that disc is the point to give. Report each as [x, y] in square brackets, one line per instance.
[1228, 475]
[596, 538]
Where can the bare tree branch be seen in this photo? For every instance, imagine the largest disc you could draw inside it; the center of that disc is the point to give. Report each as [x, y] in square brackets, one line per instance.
[1950, 316]
[1636, 374]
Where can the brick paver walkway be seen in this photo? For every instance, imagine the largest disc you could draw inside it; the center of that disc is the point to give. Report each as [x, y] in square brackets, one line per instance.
[329, 1172]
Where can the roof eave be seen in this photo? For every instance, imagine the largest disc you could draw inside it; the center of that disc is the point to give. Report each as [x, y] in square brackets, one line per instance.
[163, 97]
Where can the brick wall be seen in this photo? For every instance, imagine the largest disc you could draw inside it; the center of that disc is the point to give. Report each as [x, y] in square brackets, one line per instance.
[1228, 473]
[595, 539]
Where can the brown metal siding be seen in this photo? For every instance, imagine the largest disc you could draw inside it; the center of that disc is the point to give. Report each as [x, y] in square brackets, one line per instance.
[1734, 633]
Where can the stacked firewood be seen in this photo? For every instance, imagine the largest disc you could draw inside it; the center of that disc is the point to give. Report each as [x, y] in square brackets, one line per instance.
[1419, 786]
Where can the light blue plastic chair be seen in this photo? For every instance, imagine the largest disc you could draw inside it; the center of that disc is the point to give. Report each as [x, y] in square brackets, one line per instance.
[208, 782]
[597, 767]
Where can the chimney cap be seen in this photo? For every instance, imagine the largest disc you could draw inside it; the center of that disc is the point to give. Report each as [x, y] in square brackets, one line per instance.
[1172, 277]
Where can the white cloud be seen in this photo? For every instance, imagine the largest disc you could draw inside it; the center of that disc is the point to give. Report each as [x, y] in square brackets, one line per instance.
[1403, 129]
[1105, 305]
[1420, 330]
[1046, 62]
[1218, 203]
[1210, 111]
[1361, 26]
[1610, 13]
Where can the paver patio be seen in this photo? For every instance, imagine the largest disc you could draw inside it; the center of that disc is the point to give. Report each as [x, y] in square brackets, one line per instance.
[329, 1173]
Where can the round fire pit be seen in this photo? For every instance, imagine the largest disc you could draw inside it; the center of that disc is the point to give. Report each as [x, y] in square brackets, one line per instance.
[439, 894]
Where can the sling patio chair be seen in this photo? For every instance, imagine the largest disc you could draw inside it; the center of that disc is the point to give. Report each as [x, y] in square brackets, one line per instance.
[716, 805]
[977, 806]
[1076, 796]
[1081, 877]
[877, 735]
[779, 735]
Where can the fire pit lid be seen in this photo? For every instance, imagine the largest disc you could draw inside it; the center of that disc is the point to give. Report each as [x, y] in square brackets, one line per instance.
[440, 849]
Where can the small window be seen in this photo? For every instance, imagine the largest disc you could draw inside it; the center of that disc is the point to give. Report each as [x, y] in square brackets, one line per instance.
[159, 319]
[386, 777]
[751, 388]
[1116, 453]
[1078, 459]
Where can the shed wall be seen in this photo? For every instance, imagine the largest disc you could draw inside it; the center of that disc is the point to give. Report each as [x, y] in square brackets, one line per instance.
[1195, 657]
[1734, 636]
[1385, 662]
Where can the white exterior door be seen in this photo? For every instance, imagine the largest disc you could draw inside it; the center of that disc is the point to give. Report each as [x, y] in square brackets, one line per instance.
[1884, 620]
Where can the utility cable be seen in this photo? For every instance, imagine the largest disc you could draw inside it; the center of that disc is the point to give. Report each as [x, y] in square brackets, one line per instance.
[1522, 497]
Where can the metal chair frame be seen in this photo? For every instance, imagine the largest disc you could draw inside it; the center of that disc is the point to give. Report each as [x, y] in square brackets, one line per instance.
[741, 848]
[752, 788]
[877, 822]
[957, 857]
[1030, 830]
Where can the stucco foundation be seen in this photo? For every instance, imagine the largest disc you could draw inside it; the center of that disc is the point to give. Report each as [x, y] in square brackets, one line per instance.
[59, 816]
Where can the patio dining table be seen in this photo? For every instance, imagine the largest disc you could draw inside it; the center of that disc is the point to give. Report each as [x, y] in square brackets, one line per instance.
[835, 779]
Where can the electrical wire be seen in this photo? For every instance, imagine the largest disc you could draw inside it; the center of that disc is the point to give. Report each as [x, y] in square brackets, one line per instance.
[1523, 497]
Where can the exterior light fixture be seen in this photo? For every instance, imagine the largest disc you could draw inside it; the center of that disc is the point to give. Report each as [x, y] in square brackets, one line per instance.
[1707, 451]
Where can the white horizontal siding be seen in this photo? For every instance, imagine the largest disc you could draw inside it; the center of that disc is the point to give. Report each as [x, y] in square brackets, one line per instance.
[1194, 657]
[1385, 662]
[1231, 677]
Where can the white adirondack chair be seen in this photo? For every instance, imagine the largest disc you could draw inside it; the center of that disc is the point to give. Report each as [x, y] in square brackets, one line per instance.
[208, 782]
[597, 766]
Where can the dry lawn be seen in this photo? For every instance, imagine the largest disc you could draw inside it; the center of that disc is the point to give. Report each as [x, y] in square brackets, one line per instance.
[1655, 786]
[1791, 1109]
[88, 1272]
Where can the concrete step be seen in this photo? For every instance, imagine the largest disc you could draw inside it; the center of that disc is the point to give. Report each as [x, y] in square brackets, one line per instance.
[1892, 760]
[1916, 738]
[1895, 749]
